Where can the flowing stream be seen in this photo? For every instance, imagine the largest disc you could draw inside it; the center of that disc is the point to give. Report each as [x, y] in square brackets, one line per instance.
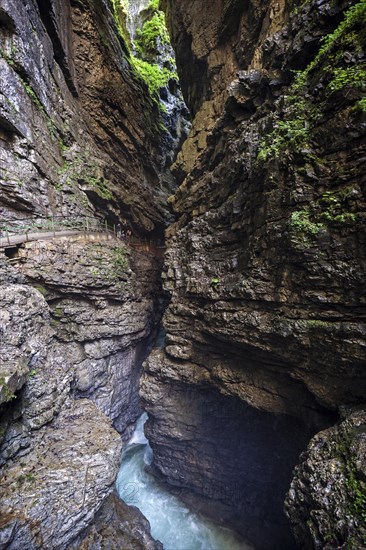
[171, 521]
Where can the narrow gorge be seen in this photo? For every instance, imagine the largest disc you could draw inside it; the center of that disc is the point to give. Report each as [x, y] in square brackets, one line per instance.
[182, 234]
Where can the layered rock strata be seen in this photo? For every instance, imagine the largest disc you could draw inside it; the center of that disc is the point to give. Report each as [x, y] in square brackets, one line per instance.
[78, 318]
[265, 263]
[79, 133]
[80, 138]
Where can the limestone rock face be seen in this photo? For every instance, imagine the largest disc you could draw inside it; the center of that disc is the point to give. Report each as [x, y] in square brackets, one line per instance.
[78, 318]
[79, 134]
[326, 502]
[119, 526]
[52, 494]
[266, 260]
[24, 336]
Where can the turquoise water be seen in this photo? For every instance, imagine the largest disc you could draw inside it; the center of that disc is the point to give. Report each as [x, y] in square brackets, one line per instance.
[171, 521]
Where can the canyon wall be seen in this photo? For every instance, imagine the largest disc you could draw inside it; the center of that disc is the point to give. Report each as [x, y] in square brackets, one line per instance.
[265, 264]
[79, 133]
[80, 140]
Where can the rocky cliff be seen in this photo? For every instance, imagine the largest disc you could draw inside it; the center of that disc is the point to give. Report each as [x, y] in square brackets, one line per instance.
[265, 332]
[265, 266]
[80, 140]
[79, 133]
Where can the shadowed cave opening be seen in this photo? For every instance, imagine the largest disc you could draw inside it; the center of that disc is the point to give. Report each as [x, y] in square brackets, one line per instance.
[226, 460]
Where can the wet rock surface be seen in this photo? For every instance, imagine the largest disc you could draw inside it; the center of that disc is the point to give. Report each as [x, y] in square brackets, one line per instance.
[223, 457]
[78, 132]
[78, 319]
[117, 526]
[326, 502]
[265, 263]
[79, 136]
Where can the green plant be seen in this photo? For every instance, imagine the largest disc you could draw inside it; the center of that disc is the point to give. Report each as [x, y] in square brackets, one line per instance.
[357, 490]
[120, 261]
[332, 210]
[154, 76]
[154, 5]
[100, 185]
[351, 76]
[360, 106]
[300, 113]
[153, 31]
[353, 16]
[6, 391]
[214, 281]
[316, 324]
[286, 133]
[300, 224]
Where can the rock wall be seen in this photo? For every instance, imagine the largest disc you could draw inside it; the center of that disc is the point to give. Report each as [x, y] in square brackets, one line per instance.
[265, 262]
[79, 133]
[265, 332]
[326, 501]
[78, 318]
[79, 136]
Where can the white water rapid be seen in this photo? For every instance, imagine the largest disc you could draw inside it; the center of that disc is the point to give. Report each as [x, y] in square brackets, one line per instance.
[171, 521]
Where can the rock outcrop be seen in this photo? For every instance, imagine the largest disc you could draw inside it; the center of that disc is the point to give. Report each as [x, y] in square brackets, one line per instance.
[326, 502]
[265, 263]
[53, 492]
[74, 335]
[79, 133]
[80, 139]
[119, 526]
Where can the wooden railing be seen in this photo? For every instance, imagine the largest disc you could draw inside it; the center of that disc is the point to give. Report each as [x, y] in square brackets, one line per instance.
[13, 233]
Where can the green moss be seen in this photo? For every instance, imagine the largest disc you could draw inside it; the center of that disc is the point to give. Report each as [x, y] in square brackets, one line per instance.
[80, 169]
[148, 39]
[354, 486]
[153, 32]
[293, 133]
[301, 114]
[357, 491]
[120, 261]
[354, 77]
[332, 209]
[41, 289]
[5, 390]
[153, 75]
[354, 17]
[58, 311]
[360, 106]
[316, 324]
[154, 5]
[120, 11]
[101, 187]
[300, 224]
[32, 94]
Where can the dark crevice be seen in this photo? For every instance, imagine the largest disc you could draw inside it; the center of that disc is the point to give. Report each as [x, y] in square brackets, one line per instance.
[47, 14]
[6, 22]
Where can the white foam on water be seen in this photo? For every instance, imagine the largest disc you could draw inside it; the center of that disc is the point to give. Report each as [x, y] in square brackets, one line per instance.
[171, 521]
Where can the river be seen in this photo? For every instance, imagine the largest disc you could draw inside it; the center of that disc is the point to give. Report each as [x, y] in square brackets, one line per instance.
[171, 521]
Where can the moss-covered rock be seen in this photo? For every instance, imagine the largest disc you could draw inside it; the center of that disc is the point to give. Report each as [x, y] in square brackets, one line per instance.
[326, 503]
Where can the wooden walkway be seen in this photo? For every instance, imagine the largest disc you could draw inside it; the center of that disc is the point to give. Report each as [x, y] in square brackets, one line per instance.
[12, 241]
[14, 236]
